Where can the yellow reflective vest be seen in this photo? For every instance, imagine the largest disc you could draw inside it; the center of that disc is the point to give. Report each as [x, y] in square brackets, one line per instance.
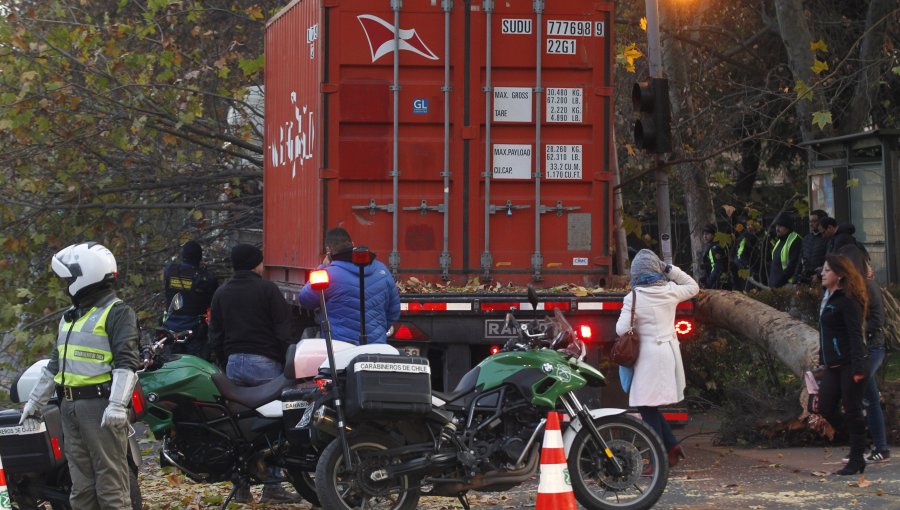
[85, 356]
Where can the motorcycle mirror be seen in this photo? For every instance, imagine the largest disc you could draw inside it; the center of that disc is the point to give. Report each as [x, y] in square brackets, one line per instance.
[532, 297]
[176, 304]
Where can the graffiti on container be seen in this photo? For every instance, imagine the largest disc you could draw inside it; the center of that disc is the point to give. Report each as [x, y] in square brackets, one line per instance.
[381, 34]
[295, 140]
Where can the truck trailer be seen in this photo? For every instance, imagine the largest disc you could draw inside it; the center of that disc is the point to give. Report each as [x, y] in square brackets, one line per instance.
[467, 143]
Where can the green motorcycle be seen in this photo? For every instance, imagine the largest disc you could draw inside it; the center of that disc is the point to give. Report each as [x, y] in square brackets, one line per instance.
[486, 434]
[214, 431]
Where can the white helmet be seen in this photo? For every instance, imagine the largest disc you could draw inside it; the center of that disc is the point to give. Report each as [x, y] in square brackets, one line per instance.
[83, 265]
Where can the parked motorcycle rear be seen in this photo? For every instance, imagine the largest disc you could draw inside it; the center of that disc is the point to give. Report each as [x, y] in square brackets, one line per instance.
[34, 463]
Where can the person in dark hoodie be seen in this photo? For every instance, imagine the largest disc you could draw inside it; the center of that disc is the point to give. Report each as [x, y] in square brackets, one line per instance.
[250, 330]
[196, 286]
[342, 295]
[813, 247]
[842, 354]
[785, 254]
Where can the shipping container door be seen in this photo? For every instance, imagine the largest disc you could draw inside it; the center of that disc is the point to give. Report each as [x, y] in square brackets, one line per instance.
[292, 140]
[380, 124]
[549, 94]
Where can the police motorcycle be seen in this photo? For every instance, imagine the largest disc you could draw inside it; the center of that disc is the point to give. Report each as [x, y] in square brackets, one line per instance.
[395, 439]
[34, 462]
[214, 431]
[211, 429]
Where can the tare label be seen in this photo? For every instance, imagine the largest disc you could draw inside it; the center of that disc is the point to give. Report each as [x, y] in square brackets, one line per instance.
[565, 105]
[563, 161]
[511, 161]
[512, 104]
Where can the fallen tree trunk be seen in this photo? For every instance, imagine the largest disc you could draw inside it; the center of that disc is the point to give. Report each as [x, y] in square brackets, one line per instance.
[792, 341]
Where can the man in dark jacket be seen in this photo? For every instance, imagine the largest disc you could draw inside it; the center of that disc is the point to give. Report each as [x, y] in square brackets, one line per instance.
[813, 247]
[785, 254]
[829, 227]
[342, 295]
[714, 263]
[196, 286]
[250, 329]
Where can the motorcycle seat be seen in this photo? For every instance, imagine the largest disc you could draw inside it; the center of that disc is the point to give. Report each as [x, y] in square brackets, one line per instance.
[466, 385]
[343, 358]
[250, 396]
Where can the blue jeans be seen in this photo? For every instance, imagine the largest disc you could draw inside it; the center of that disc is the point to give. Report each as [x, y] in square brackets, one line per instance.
[655, 420]
[252, 369]
[872, 401]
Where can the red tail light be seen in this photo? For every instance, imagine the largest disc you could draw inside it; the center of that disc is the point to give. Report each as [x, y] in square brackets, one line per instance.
[495, 349]
[586, 332]
[54, 445]
[321, 383]
[403, 331]
[137, 403]
[684, 327]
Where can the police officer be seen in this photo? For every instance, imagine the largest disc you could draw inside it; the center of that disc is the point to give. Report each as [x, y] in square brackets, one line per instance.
[714, 262]
[785, 254]
[92, 370]
[197, 286]
[746, 261]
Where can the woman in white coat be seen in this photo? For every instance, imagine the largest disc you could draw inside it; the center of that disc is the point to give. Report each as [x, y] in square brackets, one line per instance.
[658, 374]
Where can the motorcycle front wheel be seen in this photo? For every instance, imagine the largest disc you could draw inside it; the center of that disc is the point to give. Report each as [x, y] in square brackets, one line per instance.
[640, 453]
[339, 489]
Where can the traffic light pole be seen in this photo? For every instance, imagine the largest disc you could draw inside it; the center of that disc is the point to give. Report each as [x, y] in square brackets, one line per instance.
[663, 214]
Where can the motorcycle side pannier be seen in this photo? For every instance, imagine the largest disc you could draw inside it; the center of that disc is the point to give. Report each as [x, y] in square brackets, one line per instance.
[24, 452]
[384, 384]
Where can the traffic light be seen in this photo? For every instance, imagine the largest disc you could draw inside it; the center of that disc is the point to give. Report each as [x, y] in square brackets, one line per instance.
[653, 131]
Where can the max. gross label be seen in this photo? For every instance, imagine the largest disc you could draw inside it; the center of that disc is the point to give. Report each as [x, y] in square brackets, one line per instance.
[374, 366]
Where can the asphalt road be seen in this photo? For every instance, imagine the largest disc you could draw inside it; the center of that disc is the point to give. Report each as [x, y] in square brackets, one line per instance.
[711, 478]
[716, 478]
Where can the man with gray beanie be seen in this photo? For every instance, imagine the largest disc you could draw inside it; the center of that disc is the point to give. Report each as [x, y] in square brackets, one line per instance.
[250, 331]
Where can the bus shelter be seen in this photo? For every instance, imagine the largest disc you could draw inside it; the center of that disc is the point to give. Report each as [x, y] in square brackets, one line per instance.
[856, 179]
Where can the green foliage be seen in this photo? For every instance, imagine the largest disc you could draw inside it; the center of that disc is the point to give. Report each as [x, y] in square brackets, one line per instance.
[113, 129]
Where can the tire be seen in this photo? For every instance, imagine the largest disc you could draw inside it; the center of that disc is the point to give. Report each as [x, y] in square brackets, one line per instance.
[339, 490]
[137, 502]
[640, 453]
[304, 484]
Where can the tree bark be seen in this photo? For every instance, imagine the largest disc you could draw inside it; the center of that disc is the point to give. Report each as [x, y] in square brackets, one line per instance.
[867, 83]
[693, 179]
[791, 341]
[795, 33]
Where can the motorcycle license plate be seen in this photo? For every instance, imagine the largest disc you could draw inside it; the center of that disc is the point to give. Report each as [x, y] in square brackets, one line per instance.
[19, 430]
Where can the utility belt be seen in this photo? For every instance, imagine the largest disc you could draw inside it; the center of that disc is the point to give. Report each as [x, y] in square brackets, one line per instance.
[81, 392]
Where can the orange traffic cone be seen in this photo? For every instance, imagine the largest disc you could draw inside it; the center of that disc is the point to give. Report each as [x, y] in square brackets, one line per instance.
[554, 489]
[5, 503]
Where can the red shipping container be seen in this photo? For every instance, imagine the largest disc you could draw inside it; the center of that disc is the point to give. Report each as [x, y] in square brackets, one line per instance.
[427, 154]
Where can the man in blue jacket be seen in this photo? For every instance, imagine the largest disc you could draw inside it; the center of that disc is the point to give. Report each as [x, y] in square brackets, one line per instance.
[342, 295]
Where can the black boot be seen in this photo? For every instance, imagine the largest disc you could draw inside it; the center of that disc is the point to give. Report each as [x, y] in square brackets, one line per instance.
[856, 463]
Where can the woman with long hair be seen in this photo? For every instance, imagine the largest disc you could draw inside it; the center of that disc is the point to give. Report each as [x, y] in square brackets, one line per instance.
[842, 353]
